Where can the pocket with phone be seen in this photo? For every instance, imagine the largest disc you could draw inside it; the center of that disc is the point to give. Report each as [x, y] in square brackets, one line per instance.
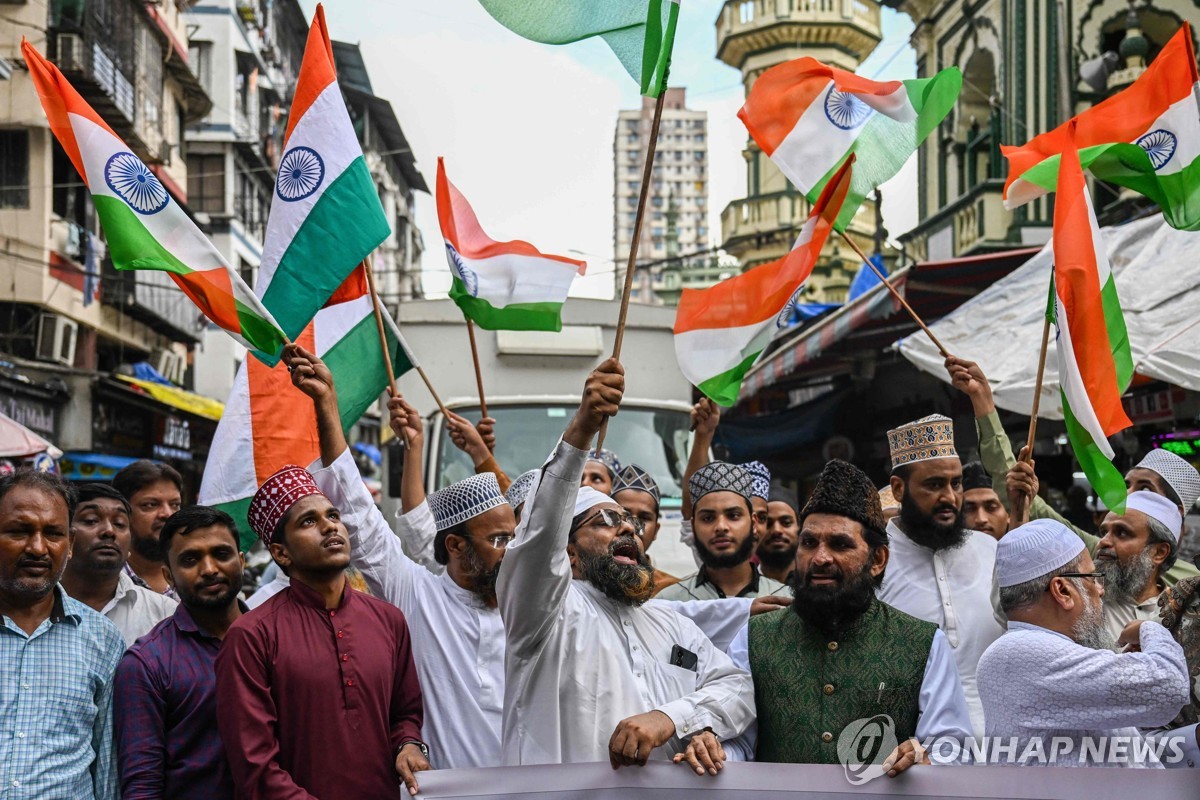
[682, 657]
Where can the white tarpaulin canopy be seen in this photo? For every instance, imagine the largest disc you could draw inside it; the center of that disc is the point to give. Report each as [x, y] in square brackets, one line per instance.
[1157, 270]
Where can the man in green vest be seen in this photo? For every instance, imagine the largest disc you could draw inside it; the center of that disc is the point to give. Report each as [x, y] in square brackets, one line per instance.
[842, 677]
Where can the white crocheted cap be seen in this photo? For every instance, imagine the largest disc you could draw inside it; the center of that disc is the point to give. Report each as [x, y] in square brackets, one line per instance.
[519, 491]
[1177, 472]
[461, 501]
[1035, 549]
[1157, 507]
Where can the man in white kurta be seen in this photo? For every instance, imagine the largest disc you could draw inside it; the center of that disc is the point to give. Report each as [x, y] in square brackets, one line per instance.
[1047, 685]
[581, 665]
[945, 577]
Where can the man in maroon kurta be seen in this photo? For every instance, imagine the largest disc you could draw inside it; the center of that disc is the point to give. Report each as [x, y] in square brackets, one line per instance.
[317, 695]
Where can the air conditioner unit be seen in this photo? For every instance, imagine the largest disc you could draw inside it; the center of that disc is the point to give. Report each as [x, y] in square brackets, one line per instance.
[169, 364]
[56, 339]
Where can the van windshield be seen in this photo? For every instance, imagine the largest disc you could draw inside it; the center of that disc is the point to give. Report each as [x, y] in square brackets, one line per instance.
[655, 439]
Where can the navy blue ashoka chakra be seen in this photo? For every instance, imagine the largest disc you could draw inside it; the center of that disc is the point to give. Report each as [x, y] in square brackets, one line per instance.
[133, 182]
[301, 171]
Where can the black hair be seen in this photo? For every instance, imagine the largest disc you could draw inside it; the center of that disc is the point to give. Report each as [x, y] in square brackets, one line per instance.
[193, 518]
[87, 492]
[143, 473]
[47, 482]
[440, 554]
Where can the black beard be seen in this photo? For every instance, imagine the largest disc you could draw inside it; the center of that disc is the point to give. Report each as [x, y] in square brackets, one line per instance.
[483, 581]
[630, 584]
[192, 599]
[736, 558]
[926, 532]
[775, 560]
[148, 548]
[832, 610]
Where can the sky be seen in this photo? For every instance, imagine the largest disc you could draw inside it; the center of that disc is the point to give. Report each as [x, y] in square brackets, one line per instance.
[526, 129]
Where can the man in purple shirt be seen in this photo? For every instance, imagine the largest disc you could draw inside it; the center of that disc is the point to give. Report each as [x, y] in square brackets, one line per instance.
[166, 687]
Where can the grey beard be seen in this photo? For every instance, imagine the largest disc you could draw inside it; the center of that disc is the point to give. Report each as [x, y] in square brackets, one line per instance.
[1089, 630]
[1125, 582]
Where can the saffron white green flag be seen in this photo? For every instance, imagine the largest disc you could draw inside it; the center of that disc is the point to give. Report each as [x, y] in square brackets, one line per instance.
[640, 32]
[808, 117]
[325, 216]
[509, 286]
[268, 423]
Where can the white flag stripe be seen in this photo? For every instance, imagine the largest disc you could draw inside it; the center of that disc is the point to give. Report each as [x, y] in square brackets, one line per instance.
[228, 478]
[512, 279]
[325, 127]
[1071, 379]
[707, 352]
[895, 105]
[1182, 119]
[806, 158]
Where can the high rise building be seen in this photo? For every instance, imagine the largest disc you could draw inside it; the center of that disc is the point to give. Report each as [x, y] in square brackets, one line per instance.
[676, 221]
[753, 36]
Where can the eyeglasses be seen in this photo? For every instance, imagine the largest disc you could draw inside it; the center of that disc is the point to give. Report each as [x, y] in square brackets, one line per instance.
[1098, 577]
[615, 519]
[500, 540]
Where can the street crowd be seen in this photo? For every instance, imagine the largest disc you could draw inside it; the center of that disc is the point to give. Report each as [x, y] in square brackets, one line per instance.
[522, 621]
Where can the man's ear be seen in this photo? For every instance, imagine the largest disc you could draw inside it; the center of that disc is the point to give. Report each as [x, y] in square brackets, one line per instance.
[897, 485]
[1159, 552]
[279, 552]
[455, 545]
[168, 576]
[1059, 593]
[576, 562]
[879, 560]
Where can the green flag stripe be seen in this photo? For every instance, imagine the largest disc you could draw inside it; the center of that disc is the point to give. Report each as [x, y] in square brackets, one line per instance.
[659, 43]
[517, 317]
[1118, 336]
[349, 213]
[723, 389]
[1105, 478]
[238, 510]
[358, 368]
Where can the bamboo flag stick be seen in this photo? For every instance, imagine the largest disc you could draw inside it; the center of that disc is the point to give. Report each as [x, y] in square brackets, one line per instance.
[387, 356]
[647, 175]
[904, 303]
[478, 373]
[1019, 510]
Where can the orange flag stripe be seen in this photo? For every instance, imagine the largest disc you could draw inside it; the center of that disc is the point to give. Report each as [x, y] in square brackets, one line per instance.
[317, 71]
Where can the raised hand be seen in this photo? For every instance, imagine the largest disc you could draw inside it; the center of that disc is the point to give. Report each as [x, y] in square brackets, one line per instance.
[706, 415]
[467, 438]
[487, 430]
[309, 373]
[406, 422]
[602, 395]
[968, 378]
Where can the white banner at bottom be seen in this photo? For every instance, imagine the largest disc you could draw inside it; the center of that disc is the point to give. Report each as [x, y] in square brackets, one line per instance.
[666, 781]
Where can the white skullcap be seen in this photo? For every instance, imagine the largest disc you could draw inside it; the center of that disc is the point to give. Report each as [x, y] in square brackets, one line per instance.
[468, 498]
[1157, 507]
[1035, 549]
[518, 492]
[590, 498]
[1178, 473]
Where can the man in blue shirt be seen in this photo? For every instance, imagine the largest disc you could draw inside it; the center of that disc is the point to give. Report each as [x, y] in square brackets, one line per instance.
[58, 655]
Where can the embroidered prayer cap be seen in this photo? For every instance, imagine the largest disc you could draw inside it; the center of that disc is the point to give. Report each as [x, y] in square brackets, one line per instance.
[760, 477]
[634, 478]
[608, 458]
[975, 477]
[844, 490]
[468, 498]
[720, 476]
[1178, 473]
[588, 498]
[887, 499]
[276, 497]
[926, 439]
[780, 494]
[1157, 507]
[1035, 549]
[519, 490]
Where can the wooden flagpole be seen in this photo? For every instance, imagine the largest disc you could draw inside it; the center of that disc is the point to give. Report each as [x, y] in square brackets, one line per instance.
[904, 303]
[478, 373]
[1019, 510]
[387, 356]
[630, 267]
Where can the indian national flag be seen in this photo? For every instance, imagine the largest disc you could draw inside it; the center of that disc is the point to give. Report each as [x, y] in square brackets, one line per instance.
[325, 216]
[721, 331]
[509, 286]
[808, 117]
[1094, 360]
[145, 227]
[1146, 138]
[640, 32]
[268, 423]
